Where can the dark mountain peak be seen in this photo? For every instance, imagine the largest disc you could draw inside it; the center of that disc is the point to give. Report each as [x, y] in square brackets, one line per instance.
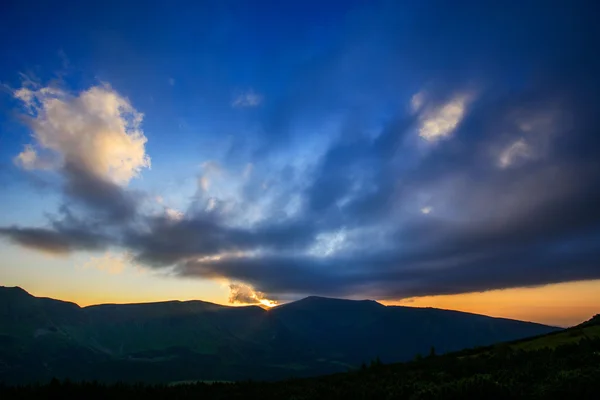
[15, 294]
[168, 304]
[317, 302]
[595, 320]
[18, 294]
[14, 290]
[318, 299]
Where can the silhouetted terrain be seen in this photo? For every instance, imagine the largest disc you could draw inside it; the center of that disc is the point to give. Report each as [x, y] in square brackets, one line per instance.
[174, 341]
[558, 365]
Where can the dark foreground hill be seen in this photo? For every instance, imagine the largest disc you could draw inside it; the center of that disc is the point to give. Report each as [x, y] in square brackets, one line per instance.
[562, 365]
[175, 341]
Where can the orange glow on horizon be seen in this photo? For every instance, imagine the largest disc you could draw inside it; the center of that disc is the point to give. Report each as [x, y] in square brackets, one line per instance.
[562, 304]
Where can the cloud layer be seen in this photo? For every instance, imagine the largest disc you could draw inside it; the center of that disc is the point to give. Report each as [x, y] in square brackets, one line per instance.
[358, 227]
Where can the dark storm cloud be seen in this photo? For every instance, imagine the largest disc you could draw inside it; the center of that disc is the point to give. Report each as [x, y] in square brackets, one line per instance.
[102, 204]
[53, 240]
[531, 223]
[65, 233]
[362, 171]
[555, 241]
[394, 276]
[168, 242]
[98, 195]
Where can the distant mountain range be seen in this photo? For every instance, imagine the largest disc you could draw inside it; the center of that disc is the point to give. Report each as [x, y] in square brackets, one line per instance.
[42, 338]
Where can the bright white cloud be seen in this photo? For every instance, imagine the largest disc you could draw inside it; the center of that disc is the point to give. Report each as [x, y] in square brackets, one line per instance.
[97, 130]
[247, 99]
[426, 210]
[440, 122]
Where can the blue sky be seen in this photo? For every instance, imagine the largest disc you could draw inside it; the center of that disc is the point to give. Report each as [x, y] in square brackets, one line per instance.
[266, 150]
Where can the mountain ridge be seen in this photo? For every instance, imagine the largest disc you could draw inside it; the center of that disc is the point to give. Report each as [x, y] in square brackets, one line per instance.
[180, 340]
[305, 300]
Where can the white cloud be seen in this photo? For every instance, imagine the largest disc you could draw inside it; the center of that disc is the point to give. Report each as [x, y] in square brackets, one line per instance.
[29, 159]
[98, 130]
[440, 122]
[426, 210]
[515, 152]
[173, 214]
[25, 95]
[247, 99]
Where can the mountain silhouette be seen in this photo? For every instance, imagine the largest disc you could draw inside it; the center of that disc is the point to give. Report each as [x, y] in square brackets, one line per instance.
[41, 338]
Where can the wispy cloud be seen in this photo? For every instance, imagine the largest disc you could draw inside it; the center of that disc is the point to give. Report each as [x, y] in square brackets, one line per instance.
[417, 101]
[247, 99]
[532, 134]
[516, 151]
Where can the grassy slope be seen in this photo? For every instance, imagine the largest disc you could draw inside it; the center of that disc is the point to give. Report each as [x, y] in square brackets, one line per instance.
[552, 341]
[587, 330]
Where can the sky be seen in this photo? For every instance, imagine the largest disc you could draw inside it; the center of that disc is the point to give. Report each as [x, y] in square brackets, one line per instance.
[429, 153]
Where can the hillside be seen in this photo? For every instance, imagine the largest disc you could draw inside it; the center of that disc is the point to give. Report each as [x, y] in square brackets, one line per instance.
[176, 341]
[567, 369]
